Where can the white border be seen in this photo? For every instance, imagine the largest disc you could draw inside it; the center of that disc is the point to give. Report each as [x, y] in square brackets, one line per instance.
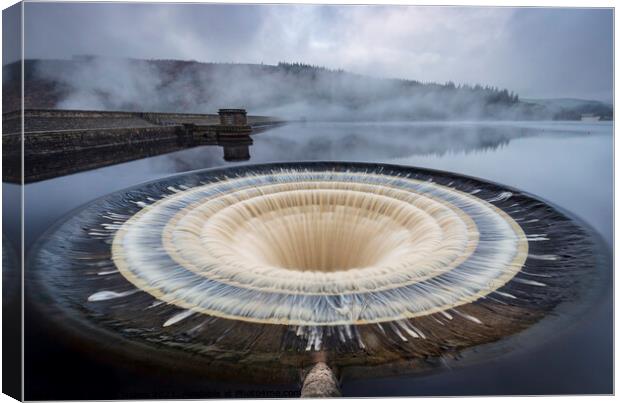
[484, 3]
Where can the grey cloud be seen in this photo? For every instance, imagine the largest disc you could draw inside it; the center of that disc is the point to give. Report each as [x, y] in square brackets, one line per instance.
[537, 52]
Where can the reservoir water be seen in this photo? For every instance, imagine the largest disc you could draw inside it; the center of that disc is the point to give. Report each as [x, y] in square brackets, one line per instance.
[569, 164]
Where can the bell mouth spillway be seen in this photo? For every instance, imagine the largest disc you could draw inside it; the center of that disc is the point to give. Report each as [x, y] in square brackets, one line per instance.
[320, 227]
[369, 264]
[284, 237]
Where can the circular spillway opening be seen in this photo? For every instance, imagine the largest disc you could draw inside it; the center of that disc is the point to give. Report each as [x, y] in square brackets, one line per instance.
[372, 264]
[321, 248]
[330, 229]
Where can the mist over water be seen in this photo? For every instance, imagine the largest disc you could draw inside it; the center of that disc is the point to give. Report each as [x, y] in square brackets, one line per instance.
[290, 91]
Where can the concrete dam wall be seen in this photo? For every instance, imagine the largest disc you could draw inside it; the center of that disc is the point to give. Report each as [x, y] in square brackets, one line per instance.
[59, 142]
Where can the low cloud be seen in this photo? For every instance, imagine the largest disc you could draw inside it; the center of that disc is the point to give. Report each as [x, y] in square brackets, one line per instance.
[290, 91]
[537, 52]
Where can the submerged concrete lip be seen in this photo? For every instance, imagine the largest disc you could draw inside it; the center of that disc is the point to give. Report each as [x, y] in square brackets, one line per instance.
[580, 266]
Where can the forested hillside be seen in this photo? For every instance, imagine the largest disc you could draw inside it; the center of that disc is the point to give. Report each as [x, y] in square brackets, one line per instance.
[288, 90]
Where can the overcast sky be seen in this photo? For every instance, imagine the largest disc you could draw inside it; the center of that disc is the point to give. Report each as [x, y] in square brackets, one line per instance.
[537, 52]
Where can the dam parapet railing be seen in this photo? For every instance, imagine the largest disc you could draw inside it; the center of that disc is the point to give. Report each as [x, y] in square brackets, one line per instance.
[52, 136]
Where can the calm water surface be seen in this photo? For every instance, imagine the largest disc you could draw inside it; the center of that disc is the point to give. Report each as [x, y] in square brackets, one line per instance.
[568, 164]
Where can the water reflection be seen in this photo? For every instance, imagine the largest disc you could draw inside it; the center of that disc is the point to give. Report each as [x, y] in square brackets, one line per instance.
[329, 141]
[38, 167]
[397, 140]
[303, 141]
[370, 142]
[237, 150]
